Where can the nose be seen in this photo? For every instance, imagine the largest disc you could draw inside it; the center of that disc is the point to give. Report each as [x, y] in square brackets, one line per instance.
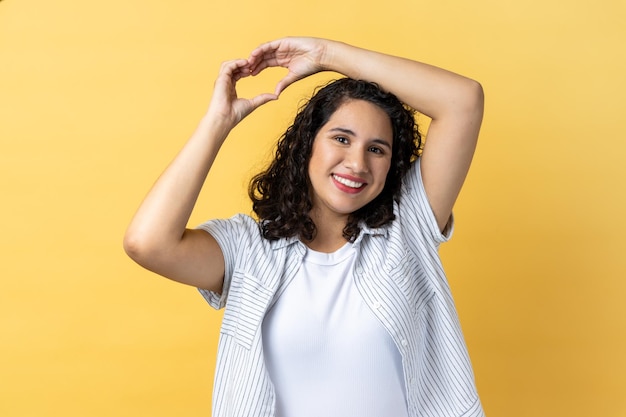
[356, 160]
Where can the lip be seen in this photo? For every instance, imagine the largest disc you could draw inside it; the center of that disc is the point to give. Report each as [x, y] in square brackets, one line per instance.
[346, 188]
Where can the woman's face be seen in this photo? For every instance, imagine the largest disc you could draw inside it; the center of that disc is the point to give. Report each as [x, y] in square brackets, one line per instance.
[350, 158]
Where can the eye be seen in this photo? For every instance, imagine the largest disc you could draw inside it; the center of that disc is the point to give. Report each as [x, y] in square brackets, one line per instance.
[376, 150]
[341, 139]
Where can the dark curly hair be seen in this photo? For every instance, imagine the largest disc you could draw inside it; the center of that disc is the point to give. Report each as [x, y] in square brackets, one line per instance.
[280, 194]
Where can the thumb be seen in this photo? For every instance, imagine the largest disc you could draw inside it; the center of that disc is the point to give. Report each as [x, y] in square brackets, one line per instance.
[248, 106]
[289, 79]
[261, 99]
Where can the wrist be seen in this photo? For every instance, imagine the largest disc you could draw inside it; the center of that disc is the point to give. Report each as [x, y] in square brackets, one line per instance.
[328, 54]
[340, 57]
[216, 126]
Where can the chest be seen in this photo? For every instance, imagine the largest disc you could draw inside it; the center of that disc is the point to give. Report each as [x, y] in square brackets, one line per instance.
[389, 282]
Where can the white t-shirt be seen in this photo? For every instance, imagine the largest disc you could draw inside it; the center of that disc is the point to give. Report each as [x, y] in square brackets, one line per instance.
[326, 352]
[398, 274]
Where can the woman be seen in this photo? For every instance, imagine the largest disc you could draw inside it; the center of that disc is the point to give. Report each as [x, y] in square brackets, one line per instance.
[335, 300]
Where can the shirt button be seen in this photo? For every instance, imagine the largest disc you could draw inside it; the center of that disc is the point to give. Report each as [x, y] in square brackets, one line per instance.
[404, 343]
[359, 270]
[377, 305]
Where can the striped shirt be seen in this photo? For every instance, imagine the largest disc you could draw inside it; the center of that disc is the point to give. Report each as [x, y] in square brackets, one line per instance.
[399, 275]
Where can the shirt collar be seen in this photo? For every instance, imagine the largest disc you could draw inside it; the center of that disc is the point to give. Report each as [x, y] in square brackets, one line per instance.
[365, 231]
[282, 243]
[371, 231]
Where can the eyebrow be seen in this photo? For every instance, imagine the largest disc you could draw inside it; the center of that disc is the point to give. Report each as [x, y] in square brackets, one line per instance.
[350, 132]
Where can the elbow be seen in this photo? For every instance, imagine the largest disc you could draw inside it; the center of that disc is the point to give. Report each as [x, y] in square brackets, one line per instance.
[475, 97]
[138, 247]
[471, 97]
[465, 101]
[131, 245]
[469, 103]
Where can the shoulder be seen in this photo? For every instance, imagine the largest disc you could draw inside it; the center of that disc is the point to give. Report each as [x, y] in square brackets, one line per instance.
[241, 236]
[238, 237]
[236, 227]
[414, 210]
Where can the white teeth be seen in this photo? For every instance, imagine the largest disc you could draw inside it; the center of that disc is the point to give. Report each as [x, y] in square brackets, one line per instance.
[348, 183]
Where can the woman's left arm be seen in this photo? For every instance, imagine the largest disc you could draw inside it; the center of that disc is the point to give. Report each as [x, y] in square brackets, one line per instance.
[453, 102]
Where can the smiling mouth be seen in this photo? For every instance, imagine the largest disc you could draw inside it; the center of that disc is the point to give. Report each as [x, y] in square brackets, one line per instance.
[347, 182]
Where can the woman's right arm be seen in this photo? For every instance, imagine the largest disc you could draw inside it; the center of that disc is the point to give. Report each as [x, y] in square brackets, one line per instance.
[158, 238]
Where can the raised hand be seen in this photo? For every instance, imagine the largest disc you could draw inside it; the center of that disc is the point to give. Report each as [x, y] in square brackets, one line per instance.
[225, 105]
[301, 56]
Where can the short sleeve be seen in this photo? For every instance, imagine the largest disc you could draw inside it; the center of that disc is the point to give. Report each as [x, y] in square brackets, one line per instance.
[228, 233]
[416, 211]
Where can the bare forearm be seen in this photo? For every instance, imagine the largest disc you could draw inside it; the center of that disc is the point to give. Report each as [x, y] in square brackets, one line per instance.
[163, 215]
[157, 237]
[430, 90]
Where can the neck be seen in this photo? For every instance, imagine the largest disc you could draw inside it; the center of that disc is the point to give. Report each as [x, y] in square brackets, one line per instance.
[329, 233]
[326, 244]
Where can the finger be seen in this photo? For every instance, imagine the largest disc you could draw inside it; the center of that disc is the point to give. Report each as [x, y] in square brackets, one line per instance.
[231, 65]
[286, 82]
[265, 56]
[262, 99]
[245, 107]
[264, 49]
[267, 61]
[236, 68]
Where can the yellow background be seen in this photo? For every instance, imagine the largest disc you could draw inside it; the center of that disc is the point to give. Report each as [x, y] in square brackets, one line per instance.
[96, 98]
